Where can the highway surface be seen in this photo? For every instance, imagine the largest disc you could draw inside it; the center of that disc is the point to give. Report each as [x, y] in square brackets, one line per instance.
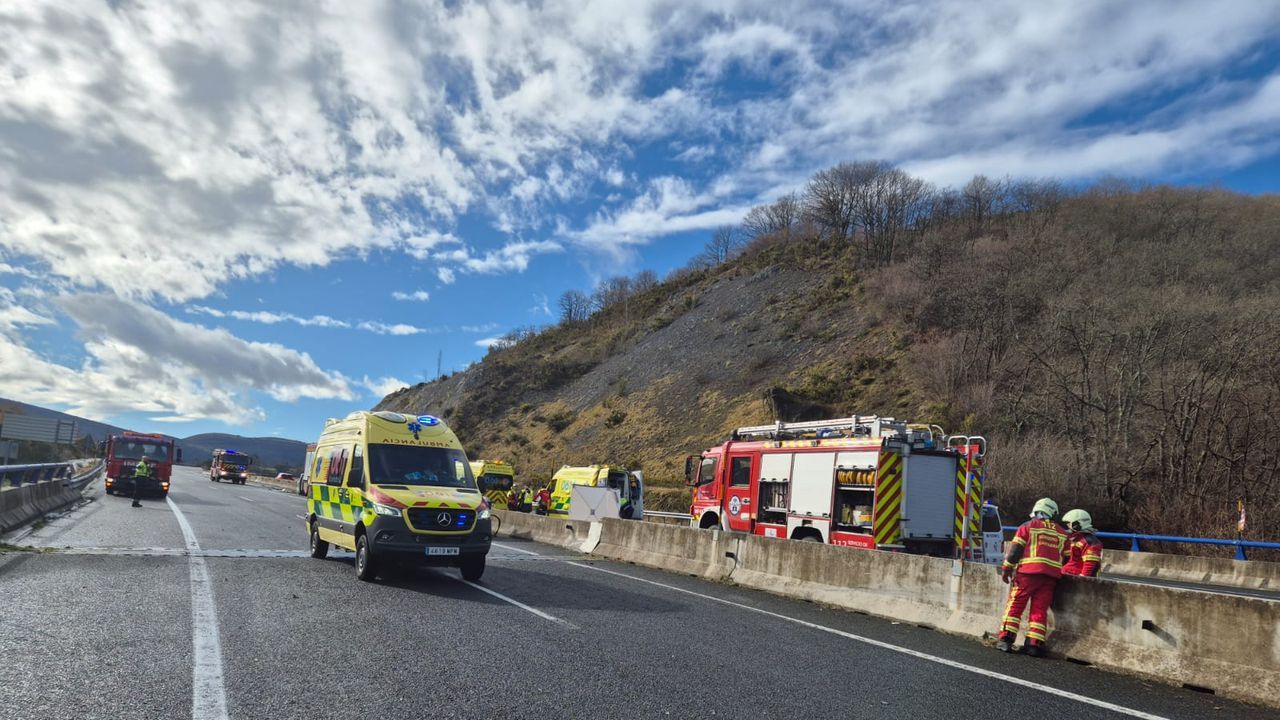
[207, 607]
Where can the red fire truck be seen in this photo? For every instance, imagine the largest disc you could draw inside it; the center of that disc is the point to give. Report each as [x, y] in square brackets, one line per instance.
[868, 482]
[122, 453]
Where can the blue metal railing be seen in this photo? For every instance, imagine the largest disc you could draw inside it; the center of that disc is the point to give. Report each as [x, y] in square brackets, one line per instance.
[1135, 538]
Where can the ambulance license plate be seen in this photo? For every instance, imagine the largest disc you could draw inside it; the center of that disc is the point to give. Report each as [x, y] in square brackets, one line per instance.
[433, 551]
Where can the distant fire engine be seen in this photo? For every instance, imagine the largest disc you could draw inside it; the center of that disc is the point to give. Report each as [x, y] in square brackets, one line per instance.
[868, 482]
[123, 452]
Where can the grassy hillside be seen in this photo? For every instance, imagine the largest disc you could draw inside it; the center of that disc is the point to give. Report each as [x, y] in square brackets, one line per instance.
[1119, 346]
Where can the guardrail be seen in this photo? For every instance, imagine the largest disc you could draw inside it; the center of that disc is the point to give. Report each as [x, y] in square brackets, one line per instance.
[1135, 540]
[19, 475]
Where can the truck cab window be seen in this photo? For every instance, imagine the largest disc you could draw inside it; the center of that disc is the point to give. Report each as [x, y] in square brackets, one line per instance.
[707, 473]
[740, 470]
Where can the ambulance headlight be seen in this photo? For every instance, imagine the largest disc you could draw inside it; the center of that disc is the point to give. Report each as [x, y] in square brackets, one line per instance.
[483, 513]
[387, 510]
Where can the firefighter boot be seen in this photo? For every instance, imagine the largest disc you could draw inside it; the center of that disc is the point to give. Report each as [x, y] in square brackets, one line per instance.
[1034, 648]
[1005, 643]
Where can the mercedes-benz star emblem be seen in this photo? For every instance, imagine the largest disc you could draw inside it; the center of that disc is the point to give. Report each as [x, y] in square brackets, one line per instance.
[443, 519]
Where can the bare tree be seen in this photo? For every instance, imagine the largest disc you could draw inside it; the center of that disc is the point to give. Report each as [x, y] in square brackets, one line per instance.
[644, 280]
[780, 217]
[724, 244]
[574, 307]
[611, 292]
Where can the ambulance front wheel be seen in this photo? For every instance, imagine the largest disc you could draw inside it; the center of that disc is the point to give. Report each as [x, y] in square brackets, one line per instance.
[319, 548]
[472, 567]
[366, 567]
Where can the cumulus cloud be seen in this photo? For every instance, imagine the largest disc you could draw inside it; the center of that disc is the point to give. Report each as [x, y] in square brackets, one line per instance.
[156, 150]
[416, 295]
[383, 386]
[137, 359]
[488, 342]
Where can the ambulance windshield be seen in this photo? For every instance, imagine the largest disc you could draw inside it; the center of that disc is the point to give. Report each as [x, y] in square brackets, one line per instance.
[422, 466]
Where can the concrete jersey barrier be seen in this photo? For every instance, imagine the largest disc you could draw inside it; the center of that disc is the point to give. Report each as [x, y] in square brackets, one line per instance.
[1254, 574]
[1171, 635]
[576, 535]
[21, 505]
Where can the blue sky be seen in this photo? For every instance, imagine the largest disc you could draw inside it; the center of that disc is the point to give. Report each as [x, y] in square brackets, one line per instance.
[250, 219]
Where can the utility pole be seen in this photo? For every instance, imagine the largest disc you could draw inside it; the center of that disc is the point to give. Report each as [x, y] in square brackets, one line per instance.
[440, 364]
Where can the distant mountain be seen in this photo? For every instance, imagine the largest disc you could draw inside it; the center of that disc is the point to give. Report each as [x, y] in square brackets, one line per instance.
[95, 430]
[268, 452]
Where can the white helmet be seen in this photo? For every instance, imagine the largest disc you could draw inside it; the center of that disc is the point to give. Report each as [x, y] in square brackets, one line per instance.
[1078, 520]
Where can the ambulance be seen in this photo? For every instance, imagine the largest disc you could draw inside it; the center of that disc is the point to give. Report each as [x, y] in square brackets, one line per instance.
[392, 487]
[495, 479]
[626, 485]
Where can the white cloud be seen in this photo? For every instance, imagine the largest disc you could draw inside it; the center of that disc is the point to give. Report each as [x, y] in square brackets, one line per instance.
[14, 316]
[383, 386]
[416, 295]
[138, 359]
[267, 317]
[488, 342]
[541, 306]
[487, 327]
[382, 328]
[159, 150]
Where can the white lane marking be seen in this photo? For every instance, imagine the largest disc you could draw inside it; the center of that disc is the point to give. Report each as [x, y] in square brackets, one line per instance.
[512, 547]
[896, 648]
[513, 601]
[208, 690]
[245, 498]
[301, 517]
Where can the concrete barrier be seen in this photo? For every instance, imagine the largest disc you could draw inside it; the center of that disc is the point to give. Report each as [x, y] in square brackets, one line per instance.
[679, 549]
[21, 505]
[571, 534]
[1228, 644]
[1189, 568]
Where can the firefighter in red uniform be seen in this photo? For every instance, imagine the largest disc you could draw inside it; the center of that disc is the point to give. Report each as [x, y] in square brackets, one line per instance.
[1033, 563]
[1084, 549]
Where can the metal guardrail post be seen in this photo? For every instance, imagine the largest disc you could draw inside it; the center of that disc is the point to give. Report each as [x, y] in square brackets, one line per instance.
[1135, 547]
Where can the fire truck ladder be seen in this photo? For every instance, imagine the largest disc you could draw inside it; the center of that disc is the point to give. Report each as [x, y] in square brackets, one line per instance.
[864, 425]
[969, 492]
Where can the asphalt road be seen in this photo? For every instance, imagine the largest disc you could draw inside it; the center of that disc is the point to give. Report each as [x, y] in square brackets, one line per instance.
[123, 615]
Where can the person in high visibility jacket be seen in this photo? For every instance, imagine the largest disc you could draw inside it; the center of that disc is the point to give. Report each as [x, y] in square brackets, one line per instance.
[1084, 549]
[1032, 564]
[140, 472]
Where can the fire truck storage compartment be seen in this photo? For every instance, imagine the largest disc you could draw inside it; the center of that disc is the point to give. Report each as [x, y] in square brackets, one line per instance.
[775, 479]
[855, 491]
[929, 500]
[813, 475]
